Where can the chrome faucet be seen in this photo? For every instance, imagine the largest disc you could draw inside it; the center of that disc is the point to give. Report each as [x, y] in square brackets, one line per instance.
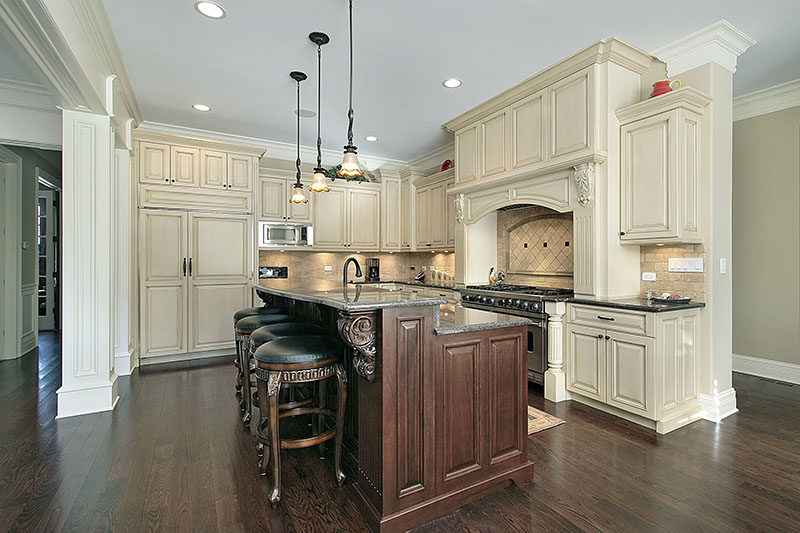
[347, 264]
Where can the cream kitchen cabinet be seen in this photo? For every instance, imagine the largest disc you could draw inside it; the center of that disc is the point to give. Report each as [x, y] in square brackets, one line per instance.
[651, 374]
[407, 205]
[466, 150]
[494, 153]
[220, 170]
[529, 131]
[330, 220]
[348, 218]
[363, 219]
[432, 211]
[391, 226]
[194, 271]
[172, 165]
[241, 172]
[660, 146]
[273, 201]
[571, 114]
[450, 223]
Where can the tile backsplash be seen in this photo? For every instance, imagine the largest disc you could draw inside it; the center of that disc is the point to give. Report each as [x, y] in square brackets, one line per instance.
[534, 246]
[656, 259]
[396, 266]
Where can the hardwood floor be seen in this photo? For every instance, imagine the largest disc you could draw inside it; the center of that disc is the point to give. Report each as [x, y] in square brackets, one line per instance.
[173, 456]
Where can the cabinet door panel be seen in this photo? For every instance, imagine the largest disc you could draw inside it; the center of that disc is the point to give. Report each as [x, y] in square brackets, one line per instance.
[364, 214]
[391, 211]
[154, 161]
[494, 143]
[649, 179]
[210, 308]
[631, 373]
[466, 147]
[527, 135]
[570, 124]
[450, 225]
[241, 170]
[213, 169]
[185, 166]
[163, 245]
[300, 212]
[220, 247]
[329, 219]
[506, 375]
[408, 221]
[272, 199]
[436, 215]
[164, 320]
[422, 226]
[586, 350]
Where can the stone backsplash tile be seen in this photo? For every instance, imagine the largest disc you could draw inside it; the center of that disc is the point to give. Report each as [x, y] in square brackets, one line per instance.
[656, 259]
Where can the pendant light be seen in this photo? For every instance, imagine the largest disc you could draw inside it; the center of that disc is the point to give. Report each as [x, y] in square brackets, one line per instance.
[350, 170]
[298, 194]
[318, 184]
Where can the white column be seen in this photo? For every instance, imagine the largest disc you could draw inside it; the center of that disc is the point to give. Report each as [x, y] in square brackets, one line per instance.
[124, 362]
[555, 380]
[89, 382]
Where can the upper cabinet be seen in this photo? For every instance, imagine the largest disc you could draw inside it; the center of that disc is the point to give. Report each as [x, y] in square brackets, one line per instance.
[494, 155]
[407, 203]
[434, 212]
[466, 148]
[348, 217]
[273, 201]
[179, 161]
[528, 131]
[571, 115]
[659, 146]
[391, 213]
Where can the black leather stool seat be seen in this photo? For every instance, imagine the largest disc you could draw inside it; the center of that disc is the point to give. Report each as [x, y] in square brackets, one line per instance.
[284, 329]
[251, 311]
[249, 324]
[299, 350]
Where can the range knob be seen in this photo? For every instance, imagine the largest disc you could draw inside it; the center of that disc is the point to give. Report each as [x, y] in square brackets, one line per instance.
[516, 302]
[535, 306]
[482, 299]
[491, 301]
[502, 302]
[524, 306]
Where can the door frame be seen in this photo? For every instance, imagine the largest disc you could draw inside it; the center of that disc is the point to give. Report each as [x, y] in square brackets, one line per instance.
[11, 224]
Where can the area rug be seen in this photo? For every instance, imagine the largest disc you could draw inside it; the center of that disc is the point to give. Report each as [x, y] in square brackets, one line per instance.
[539, 420]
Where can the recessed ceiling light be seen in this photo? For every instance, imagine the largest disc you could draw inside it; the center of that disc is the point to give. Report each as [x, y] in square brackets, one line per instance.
[210, 9]
[452, 83]
[201, 107]
[370, 138]
[306, 113]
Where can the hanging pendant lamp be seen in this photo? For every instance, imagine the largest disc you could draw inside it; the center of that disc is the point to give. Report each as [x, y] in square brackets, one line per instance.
[318, 184]
[298, 194]
[350, 170]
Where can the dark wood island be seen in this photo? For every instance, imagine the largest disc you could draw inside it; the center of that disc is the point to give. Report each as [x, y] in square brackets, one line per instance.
[437, 397]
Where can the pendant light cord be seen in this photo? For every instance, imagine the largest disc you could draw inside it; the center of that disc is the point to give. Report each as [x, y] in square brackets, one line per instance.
[350, 113]
[319, 106]
[297, 162]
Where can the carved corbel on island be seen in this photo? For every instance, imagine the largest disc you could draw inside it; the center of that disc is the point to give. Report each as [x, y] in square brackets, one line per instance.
[358, 330]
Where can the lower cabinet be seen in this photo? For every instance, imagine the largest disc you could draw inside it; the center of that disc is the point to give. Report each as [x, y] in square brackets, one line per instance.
[652, 375]
[194, 270]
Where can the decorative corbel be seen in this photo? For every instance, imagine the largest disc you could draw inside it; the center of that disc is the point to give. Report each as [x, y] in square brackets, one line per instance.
[459, 201]
[583, 175]
[358, 329]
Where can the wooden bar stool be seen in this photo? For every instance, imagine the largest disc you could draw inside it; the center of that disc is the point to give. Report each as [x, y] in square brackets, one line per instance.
[298, 360]
[237, 316]
[244, 327]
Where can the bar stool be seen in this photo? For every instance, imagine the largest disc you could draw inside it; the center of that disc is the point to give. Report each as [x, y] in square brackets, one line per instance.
[244, 327]
[278, 331]
[298, 360]
[237, 316]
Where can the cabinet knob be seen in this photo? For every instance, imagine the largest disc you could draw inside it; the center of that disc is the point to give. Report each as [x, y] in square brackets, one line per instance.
[600, 336]
[167, 180]
[621, 233]
[607, 337]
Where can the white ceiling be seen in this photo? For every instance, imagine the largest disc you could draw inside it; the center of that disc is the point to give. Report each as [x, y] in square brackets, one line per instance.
[239, 65]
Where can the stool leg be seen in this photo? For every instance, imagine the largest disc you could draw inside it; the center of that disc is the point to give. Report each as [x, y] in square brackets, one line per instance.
[263, 462]
[322, 397]
[273, 388]
[341, 379]
[247, 392]
[237, 362]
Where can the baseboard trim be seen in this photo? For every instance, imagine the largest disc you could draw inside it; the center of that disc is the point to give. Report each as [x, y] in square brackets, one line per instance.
[719, 405]
[766, 368]
[84, 401]
[122, 364]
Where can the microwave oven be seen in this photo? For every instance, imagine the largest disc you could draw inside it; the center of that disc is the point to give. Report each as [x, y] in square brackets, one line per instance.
[282, 235]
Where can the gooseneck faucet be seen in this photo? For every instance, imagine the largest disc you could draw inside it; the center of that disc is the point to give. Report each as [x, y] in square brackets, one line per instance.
[347, 264]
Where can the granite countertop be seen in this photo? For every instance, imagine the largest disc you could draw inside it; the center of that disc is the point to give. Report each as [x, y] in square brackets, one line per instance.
[634, 304]
[350, 297]
[454, 318]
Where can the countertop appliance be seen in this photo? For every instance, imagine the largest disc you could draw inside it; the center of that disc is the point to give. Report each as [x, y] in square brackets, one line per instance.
[373, 269]
[284, 235]
[519, 300]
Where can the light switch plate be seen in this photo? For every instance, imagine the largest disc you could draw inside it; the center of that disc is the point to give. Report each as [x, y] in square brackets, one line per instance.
[685, 264]
[723, 265]
[648, 276]
[328, 268]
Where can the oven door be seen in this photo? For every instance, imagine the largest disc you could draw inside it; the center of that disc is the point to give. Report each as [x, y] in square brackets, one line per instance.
[537, 351]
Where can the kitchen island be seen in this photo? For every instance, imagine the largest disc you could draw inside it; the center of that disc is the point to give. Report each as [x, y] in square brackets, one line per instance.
[437, 405]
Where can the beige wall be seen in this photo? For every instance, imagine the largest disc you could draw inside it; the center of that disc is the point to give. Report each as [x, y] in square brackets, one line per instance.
[766, 236]
[394, 267]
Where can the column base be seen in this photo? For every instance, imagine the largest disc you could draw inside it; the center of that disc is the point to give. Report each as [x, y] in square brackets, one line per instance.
[85, 400]
[718, 405]
[555, 386]
[125, 363]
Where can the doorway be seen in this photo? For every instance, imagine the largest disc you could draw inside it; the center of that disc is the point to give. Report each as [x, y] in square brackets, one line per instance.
[48, 250]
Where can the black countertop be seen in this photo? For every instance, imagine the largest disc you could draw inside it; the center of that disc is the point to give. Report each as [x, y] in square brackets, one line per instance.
[634, 304]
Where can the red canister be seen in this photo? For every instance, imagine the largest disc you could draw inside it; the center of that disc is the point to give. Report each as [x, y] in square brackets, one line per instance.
[664, 86]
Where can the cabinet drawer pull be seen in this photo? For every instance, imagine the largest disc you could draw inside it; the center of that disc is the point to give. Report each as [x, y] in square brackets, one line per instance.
[184, 267]
[190, 266]
[610, 319]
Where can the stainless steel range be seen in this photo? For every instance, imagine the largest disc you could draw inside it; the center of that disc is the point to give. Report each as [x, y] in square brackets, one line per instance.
[519, 300]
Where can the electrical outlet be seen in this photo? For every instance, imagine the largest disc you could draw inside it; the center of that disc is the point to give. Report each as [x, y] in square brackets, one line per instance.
[328, 268]
[648, 276]
[686, 264]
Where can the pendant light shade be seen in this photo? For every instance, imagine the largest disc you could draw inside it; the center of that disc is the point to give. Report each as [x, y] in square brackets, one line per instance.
[319, 183]
[350, 167]
[298, 193]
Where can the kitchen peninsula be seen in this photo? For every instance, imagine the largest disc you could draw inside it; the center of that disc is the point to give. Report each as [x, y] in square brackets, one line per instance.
[437, 411]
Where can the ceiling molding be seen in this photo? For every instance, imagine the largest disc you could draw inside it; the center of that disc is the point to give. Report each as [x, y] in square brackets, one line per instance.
[767, 100]
[721, 43]
[27, 95]
[434, 159]
[271, 149]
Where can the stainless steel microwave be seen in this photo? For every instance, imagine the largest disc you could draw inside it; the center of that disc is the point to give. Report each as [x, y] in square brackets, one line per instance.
[282, 235]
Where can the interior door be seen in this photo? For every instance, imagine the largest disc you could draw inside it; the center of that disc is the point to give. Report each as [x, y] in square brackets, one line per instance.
[164, 282]
[47, 241]
[219, 272]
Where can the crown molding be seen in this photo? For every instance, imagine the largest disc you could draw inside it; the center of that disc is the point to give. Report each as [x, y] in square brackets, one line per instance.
[433, 160]
[686, 97]
[15, 93]
[769, 100]
[721, 43]
[271, 149]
